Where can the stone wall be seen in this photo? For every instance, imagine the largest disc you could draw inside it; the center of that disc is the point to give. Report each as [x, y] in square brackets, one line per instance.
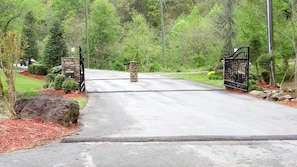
[70, 67]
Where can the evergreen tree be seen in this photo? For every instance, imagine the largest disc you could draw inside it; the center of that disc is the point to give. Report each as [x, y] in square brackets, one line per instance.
[30, 35]
[225, 24]
[55, 47]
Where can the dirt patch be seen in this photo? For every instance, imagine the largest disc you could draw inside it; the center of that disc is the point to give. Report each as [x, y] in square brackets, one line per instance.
[16, 134]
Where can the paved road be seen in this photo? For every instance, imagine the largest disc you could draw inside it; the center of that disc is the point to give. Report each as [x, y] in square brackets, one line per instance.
[160, 121]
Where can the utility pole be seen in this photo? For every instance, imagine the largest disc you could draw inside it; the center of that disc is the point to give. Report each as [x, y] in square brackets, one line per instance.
[163, 40]
[87, 33]
[270, 40]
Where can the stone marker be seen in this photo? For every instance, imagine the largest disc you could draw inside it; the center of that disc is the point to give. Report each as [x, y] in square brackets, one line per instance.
[133, 71]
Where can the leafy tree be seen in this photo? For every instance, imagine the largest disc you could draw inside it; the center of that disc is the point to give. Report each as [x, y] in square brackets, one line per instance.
[73, 26]
[55, 47]
[30, 34]
[63, 8]
[192, 41]
[11, 50]
[290, 14]
[104, 33]
[13, 10]
[139, 43]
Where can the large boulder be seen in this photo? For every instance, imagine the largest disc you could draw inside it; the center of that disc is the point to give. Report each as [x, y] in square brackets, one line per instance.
[58, 110]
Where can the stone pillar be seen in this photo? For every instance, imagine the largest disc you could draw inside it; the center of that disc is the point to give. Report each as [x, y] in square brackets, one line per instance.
[133, 71]
[70, 67]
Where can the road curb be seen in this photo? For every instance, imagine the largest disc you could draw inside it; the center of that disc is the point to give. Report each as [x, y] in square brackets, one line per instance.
[180, 139]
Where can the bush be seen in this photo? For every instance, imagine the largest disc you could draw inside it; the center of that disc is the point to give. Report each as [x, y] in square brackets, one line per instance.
[155, 67]
[264, 61]
[49, 80]
[38, 69]
[69, 84]
[210, 73]
[280, 74]
[266, 76]
[254, 86]
[59, 79]
[117, 66]
[56, 70]
[215, 77]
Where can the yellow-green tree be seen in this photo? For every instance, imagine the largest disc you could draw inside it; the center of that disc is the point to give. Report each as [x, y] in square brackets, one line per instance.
[11, 49]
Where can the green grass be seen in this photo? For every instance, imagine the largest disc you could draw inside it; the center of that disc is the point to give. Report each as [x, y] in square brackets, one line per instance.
[201, 78]
[25, 86]
[29, 87]
[81, 101]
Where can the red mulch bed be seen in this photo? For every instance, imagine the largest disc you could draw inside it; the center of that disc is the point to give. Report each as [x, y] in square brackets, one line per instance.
[16, 134]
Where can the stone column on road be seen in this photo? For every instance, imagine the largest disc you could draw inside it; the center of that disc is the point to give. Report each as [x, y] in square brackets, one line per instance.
[133, 71]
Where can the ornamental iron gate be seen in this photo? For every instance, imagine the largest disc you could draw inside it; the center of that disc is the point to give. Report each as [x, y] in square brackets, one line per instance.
[236, 69]
[82, 86]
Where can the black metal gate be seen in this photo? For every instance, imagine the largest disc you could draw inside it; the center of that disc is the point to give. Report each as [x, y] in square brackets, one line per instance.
[82, 86]
[236, 69]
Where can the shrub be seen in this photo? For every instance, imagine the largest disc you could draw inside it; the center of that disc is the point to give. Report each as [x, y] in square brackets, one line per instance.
[219, 72]
[69, 84]
[155, 67]
[210, 73]
[254, 86]
[215, 77]
[266, 76]
[56, 70]
[59, 79]
[49, 80]
[38, 69]
[264, 61]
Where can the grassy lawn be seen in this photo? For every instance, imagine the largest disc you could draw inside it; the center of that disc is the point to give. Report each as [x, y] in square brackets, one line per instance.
[201, 78]
[28, 87]
[25, 86]
[81, 101]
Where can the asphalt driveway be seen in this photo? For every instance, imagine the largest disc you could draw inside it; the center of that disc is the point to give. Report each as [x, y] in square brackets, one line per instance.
[160, 121]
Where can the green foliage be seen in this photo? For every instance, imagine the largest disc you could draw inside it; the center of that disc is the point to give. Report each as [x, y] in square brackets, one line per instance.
[104, 32]
[30, 32]
[38, 69]
[56, 69]
[266, 76]
[254, 86]
[254, 76]
[264, 61]
[140, 44]
[49, 80]
[59, 79]
[287, 75]
[212, 75]
[201, 78]
[63, 8]
[55, 47]
[69, 84]
[155, 67]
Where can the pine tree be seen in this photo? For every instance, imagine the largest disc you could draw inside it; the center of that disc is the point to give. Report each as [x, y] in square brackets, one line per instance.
[225, 26]
[55, 47]
[30, 35]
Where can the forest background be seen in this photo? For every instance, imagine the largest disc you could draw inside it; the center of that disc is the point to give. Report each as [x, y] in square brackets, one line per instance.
[197, 33]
